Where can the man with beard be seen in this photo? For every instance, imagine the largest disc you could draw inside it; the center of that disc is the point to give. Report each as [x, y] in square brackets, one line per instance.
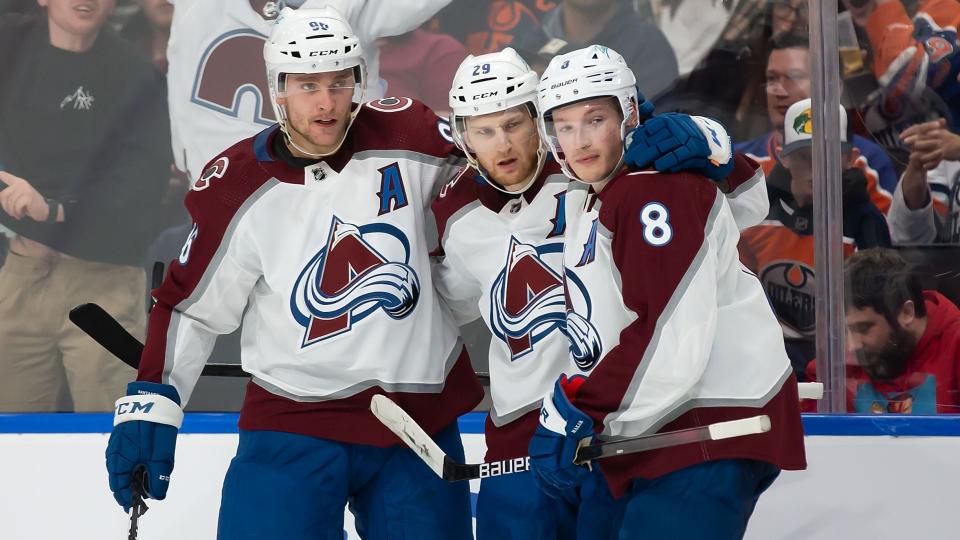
[904, 342]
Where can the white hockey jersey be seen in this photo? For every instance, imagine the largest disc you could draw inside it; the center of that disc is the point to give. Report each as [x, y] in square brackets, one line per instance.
[502, 257]
[502, 260]
[217, 80]
[327, 270]
[669, 329]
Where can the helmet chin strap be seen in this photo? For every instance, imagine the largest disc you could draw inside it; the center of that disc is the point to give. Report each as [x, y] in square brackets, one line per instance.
[541, 160]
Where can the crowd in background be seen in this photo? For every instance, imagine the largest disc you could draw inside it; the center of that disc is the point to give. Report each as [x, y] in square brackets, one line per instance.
[110, 109]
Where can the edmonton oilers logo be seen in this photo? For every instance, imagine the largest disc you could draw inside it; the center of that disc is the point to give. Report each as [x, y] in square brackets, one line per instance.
[350, 279]
[790, 287]
[526, 299]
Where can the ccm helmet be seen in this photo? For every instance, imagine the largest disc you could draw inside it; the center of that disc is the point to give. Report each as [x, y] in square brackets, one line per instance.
[312, 41]
[491, 83]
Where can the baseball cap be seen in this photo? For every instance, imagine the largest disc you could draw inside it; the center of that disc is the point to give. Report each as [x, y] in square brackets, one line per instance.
[798, 127]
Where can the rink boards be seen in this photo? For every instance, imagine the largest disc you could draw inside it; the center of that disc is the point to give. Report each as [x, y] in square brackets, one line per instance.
[869, 477]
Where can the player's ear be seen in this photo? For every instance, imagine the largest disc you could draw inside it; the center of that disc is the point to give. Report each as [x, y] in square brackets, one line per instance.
[634, 119]
[43, 3]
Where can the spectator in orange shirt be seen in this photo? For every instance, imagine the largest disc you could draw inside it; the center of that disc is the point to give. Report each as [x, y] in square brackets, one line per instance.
[788, 81]
[911, 54]
[780, 249]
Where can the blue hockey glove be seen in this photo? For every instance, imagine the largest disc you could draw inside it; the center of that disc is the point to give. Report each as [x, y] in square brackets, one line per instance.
[674, 142]
[563, 428]
[145, 425]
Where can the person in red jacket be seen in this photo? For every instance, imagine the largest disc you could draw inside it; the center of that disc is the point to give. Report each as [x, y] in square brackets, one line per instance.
[904, 342]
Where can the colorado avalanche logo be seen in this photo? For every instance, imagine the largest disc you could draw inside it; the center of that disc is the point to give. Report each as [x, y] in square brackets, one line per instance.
[526, 298]
[231, 78]
[348, 280]
[585, 345]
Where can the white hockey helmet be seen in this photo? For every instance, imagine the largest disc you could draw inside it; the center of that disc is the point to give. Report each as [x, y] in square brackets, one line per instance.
[312, 41]
[491, 83]
[591, 72]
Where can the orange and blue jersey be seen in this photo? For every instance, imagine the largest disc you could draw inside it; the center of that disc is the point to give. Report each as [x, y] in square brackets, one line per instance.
[873, 160]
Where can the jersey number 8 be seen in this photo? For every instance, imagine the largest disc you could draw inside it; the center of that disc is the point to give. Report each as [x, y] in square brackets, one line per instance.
[656, 224]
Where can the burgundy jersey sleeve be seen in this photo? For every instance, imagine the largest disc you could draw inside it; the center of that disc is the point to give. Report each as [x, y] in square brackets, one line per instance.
[402, 123]
[206, 288]
[452, 198]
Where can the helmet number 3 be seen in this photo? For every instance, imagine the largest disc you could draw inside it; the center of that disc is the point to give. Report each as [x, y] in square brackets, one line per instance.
[655, 219]
[481, 69]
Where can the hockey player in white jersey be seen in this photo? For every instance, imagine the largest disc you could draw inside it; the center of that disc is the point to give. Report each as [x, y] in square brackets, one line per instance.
[502, 226]
[217, 90]
[310, 237]
[667, 330]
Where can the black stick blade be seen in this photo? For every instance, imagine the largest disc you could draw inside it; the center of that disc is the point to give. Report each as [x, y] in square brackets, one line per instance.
[109, 333]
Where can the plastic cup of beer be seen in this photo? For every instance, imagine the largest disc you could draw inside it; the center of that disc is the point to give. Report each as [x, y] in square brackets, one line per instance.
[850, 54]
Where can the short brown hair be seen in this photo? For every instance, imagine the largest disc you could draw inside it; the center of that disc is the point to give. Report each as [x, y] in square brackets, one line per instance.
[879, 278]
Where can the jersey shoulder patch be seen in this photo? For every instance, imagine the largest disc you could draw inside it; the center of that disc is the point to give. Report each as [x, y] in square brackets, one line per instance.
[217, 169]
[227, 180]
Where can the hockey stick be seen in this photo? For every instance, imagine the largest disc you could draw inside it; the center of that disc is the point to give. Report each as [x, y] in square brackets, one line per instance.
[112, 336]
[137, 506]
[810, 390]
[406, 428]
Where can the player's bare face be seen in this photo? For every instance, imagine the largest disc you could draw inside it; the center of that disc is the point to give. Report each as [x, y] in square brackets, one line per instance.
[505, 144]
[787, 82]
[588, 133]
[77, 18]
[318, 108]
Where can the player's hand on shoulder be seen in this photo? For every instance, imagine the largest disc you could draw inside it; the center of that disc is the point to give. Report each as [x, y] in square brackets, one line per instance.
[145, 426]
[674, 142]
[563, 428]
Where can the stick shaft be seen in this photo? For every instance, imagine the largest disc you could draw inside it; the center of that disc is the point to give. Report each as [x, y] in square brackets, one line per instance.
[112, 336]
[719, 430]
